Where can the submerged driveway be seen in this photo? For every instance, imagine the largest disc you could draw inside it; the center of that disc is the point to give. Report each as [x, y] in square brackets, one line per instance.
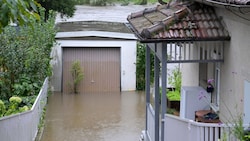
[95, 117]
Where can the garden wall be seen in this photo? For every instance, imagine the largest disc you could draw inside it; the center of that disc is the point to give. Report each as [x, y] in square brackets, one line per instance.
[24, 126]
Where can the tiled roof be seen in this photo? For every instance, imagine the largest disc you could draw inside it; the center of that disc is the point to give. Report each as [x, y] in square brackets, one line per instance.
[178, 21]
[235, 2]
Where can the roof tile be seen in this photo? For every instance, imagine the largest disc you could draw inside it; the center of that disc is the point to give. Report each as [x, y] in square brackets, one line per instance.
[178, 21]
[235, 2]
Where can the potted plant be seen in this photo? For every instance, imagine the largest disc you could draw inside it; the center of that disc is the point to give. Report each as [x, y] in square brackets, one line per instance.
[210, 87]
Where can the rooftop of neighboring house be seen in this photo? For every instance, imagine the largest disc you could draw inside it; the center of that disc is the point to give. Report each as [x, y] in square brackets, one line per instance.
[234, 2]
[92, 26]
[178, 21]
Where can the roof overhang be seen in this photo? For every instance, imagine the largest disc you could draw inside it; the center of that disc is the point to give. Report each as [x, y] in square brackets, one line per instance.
[242, 8]
[98, 34]
[178, 22]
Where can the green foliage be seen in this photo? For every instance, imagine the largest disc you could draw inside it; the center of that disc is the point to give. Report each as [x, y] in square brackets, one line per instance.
[175, 81]
[141, 67]
[16, 104]
[23, 109]
[141, 2]
[42, 118]
[77, 75]
[174, 96]
[64, 7]
[25, 87]
[28, 100]
[98, 2]
[238, 129]
[247, 137]
[13, 107]
[171, 111]
[2, 108]
[25, 57]
[17, 11]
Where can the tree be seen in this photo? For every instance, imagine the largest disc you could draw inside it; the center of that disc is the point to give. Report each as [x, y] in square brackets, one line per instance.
[17, 11]
[64, 7]
[77, 75]
[141, 67]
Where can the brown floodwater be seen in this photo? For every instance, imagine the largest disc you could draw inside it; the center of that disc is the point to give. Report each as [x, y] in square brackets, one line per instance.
[95, 117]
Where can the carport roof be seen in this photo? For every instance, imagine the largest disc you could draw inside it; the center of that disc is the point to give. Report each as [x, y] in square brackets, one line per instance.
[92, 26]
[178, 21]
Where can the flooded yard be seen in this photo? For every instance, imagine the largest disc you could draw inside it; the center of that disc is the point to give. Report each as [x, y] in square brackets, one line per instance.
[95, 117]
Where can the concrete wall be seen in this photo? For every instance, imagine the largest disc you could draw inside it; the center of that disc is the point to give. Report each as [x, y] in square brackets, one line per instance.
[236, 67]
[128, 59]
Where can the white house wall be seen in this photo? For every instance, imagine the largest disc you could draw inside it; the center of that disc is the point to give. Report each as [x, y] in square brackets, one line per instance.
[236, 67]
[128, 59]
[189, 73]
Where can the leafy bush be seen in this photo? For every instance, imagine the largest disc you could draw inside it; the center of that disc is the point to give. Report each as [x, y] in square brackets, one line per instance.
[16, 105]
[2, 108]
[77, 75]
[173, 96]
[175, 81]
[25, 57]
[141, 67]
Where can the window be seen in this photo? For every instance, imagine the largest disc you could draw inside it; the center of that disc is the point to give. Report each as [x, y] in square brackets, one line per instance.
[216, 94]
[203, 68]
[211, 71]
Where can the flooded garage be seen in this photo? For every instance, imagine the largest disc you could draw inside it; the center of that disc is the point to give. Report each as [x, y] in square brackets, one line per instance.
[95, 117]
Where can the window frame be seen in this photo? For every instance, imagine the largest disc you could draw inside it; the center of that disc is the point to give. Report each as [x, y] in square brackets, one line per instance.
[215, 102]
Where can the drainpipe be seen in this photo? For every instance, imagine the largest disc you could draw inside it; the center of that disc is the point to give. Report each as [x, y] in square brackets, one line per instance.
[243, 9]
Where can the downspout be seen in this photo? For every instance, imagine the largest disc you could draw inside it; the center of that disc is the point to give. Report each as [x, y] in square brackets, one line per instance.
[243, 9]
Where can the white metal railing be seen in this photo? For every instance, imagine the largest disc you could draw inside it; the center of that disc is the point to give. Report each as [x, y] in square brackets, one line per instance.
[193, 52]
[179, 129]
[150, 131]
[24, 126]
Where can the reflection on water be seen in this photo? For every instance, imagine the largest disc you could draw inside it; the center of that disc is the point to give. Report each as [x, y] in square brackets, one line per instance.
[95, 117]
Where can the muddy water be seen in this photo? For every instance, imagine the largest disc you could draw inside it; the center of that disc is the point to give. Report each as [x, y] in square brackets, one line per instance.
[95, 117]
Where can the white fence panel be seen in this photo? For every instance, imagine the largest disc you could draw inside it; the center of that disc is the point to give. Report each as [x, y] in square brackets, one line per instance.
[179, 129]
[150, 123]
[24, 126]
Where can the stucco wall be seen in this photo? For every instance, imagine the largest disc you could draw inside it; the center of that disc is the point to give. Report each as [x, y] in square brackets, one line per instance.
[189, 74]
[128, 59]
[236, 67]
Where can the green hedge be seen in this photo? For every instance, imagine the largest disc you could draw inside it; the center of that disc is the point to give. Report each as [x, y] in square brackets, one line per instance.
[25, 57]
